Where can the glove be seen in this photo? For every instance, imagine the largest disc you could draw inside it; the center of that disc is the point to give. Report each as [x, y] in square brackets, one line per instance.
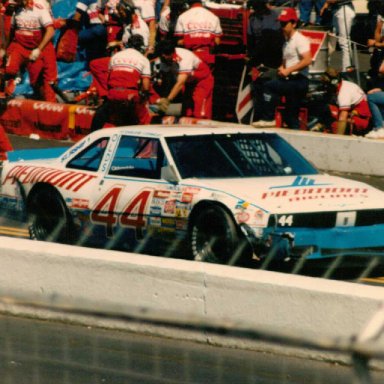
[144, 95]
[2, 53]
[34, 54]
[163, 104]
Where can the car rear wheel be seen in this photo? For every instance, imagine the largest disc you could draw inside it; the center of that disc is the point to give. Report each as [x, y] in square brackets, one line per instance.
[48, 216]
[213, 236]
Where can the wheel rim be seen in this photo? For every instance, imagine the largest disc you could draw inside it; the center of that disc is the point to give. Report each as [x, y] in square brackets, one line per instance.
[48, 217]
[213, 237]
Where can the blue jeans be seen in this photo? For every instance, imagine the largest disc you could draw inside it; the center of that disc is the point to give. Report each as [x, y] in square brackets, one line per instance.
[294, 89]
[305, 8]
[376, 105]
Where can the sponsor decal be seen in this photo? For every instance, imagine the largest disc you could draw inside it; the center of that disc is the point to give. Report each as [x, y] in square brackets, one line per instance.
[160, 194]
[181, 224]
[242, 217]
[193, 190]
[68, 180]
[301, 181]
[168, 222]
[170, 207]
[158, 202]
[182, 210]
[186, 197]
[154, 221]
[242, 204]
[51, 107]
[318, 193]
[78, 203]
[155, 211]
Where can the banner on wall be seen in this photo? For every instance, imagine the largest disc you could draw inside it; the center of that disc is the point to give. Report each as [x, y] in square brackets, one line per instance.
[48, 120]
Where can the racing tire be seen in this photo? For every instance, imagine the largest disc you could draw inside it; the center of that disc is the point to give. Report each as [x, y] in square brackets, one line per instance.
[213, 236]
[48, 216]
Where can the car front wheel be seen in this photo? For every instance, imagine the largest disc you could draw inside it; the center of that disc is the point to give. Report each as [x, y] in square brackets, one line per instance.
[48, 216]
[213, 236]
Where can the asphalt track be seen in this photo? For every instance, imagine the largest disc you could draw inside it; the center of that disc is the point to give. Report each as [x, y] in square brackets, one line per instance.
[40, 352]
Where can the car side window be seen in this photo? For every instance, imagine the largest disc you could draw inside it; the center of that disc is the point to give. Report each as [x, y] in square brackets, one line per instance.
[137, 157]
[90, 158]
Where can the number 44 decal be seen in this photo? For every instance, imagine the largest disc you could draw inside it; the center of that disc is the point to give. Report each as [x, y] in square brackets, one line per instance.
[132, 215]
[286, 220]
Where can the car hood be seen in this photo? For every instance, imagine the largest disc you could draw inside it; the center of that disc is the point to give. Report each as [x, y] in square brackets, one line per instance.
[313, 193]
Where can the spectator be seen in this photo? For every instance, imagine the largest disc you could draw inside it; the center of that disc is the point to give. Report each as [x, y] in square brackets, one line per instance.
[305, 9]
[31, 32]
[199, 30]
[93, 34]
[264, 36]
[353, 110]
[292, 82]
[128, 87]
[374, 10]
[194, 77]
[343, 15]
[376, 71]
[376, 105]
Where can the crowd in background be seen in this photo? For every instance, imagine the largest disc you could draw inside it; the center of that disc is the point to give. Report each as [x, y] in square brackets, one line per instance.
[159, 52]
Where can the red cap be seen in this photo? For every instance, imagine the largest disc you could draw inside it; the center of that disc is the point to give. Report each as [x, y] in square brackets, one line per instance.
[288, 14]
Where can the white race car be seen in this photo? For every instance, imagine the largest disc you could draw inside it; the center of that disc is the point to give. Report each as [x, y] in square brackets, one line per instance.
[230, 194]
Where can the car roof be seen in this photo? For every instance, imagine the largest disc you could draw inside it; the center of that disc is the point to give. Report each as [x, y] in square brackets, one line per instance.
[203, 128]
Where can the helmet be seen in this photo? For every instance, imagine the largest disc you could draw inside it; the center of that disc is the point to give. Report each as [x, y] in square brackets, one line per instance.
[136, 42]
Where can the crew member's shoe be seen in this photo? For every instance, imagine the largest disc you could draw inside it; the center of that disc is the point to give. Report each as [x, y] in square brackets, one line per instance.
[264, 124]
[375, 134]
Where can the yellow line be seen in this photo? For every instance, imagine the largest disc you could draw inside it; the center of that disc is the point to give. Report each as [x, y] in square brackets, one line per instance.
[14, 231]
[373, 280]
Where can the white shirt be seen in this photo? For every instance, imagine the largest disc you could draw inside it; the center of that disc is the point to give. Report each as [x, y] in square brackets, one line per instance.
[198, 27]
[137, 27]
[293, 50]
[349, 95]
[146, 9]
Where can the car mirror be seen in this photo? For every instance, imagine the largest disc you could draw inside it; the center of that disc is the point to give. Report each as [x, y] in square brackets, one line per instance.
[169, 173]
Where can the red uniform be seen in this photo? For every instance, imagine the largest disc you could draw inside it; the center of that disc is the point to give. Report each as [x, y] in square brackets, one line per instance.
[29, 24]
[126, 70]
[199, 27]
[197, 98]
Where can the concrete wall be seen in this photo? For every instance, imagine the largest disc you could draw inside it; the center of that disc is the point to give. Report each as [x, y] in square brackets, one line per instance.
[81, 277]
[339, 153]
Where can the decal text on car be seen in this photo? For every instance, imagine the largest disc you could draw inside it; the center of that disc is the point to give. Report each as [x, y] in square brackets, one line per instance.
[316, 193]
[69, 180]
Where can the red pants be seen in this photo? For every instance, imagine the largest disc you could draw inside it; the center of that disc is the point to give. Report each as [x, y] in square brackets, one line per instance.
[141, 109]
[44, 66]
[197, 98]
[49, 72]
[99, 71]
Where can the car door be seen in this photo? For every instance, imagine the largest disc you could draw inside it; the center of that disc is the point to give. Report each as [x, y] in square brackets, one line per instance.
[123, 205]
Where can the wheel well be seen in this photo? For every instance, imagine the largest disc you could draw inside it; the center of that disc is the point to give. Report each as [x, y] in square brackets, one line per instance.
[37, 188]
[205, 204]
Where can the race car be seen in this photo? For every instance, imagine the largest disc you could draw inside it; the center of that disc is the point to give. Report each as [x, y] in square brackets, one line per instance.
[222, 193]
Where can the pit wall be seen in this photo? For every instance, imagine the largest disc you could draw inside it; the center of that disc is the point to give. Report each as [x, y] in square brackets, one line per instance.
[80, 277]
[339, 153]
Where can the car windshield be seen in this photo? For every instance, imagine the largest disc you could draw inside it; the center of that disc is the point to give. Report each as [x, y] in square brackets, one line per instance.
[236, 155]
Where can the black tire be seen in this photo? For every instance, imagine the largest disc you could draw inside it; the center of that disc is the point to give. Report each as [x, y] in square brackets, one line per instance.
[48, 216]
[213, 235]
